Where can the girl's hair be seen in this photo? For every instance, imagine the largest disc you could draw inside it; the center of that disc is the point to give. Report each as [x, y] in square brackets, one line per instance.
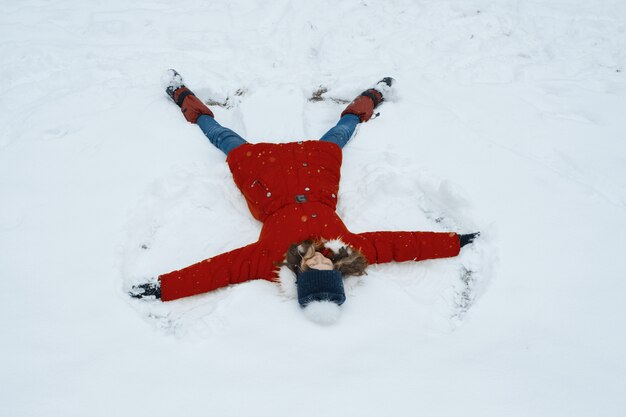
[347, 260]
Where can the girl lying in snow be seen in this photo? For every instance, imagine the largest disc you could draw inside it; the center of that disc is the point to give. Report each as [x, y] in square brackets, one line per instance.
[292, 189]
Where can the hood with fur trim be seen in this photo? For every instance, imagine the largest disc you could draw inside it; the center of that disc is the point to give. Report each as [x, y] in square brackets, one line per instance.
[287, 278]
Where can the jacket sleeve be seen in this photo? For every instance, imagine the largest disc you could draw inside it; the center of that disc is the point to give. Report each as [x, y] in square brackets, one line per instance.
[239, 265]
[382, 247]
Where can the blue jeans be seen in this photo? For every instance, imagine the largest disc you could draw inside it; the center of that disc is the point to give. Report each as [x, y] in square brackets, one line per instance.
[223, 138]
[226, 140]
[342, 131]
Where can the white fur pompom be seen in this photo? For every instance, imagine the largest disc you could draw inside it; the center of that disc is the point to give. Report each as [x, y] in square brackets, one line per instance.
[322, 312]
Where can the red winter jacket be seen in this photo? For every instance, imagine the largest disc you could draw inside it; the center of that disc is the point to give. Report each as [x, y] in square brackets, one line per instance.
[292, 188]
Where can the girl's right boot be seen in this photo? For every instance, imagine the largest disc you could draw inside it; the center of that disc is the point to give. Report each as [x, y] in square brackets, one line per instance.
[190, 105]
[363, 106]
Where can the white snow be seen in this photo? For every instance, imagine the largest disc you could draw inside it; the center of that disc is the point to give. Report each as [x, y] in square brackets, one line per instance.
[507, 117]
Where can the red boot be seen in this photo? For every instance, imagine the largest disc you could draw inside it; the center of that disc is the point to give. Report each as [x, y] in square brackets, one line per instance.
[363, 106]
[190, 105]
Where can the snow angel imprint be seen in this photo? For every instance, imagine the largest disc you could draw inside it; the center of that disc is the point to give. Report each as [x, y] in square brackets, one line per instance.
[292, 189]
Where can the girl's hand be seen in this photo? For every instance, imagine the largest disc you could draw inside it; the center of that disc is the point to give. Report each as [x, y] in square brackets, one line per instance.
[468, 238]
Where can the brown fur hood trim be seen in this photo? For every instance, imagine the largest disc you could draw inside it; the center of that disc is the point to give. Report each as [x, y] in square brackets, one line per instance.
[287, 278]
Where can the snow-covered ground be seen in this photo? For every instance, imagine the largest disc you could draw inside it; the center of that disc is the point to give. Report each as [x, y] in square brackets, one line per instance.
[508, 118]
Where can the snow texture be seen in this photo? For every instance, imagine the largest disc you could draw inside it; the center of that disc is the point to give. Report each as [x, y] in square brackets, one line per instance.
[506, 118]
[171, 79]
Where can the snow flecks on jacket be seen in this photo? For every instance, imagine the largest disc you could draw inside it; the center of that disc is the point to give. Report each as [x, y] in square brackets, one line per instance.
[292, 189]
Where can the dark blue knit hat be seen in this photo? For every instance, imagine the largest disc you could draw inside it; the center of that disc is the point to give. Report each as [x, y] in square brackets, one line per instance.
[320, 285]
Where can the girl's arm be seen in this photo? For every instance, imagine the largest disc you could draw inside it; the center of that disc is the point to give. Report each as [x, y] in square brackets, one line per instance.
[382, 247]
[239, 265]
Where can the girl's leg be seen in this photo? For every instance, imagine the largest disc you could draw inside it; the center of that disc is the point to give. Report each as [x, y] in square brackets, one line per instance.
[360, 110]
[223, 138]
[195, 111]
[343, 130]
